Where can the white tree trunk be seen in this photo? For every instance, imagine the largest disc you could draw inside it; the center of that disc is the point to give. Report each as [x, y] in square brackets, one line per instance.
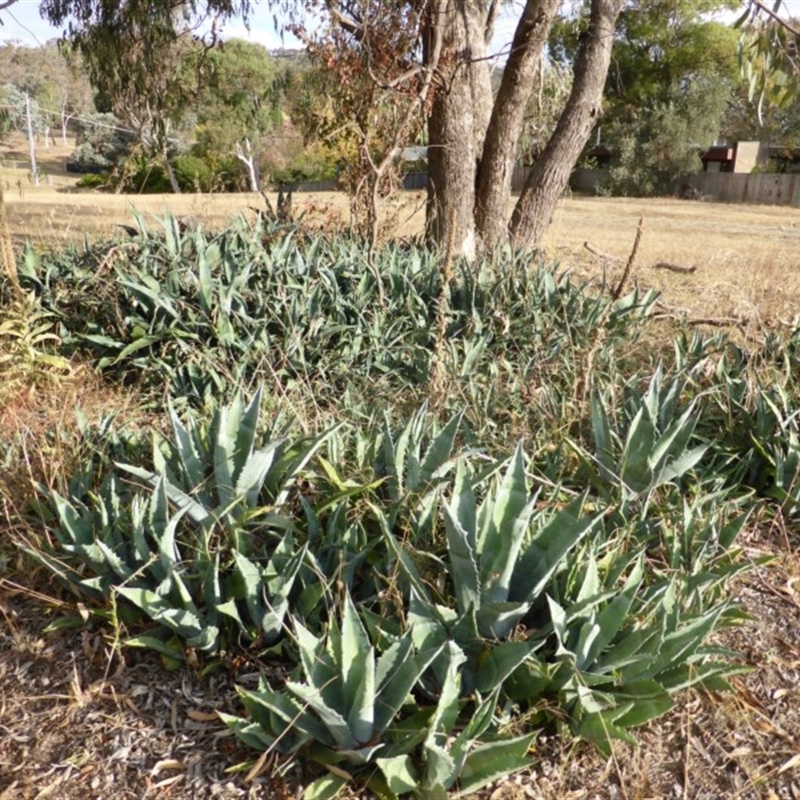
[245, 155]
[31, 142]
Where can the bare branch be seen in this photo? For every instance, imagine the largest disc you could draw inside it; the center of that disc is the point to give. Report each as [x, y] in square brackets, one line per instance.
[348, 23]
[400, 79]
[617, 293]
[775, 16]
[595, 252]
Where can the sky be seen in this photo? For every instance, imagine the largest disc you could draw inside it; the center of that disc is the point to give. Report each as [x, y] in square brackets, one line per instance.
[21, 23]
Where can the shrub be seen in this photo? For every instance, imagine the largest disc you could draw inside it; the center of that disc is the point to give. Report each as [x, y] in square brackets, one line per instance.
[193, 173]
[142, 175]
[93, 181]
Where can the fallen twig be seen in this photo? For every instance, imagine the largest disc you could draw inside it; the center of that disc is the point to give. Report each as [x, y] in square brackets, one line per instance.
[668, 265]
[595, 252]
[717, 322]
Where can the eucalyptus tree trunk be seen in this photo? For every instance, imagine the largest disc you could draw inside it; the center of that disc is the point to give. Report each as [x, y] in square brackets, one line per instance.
[493, 188]
[550, 174]
[472, 138]
[171, 176]
[457, 124]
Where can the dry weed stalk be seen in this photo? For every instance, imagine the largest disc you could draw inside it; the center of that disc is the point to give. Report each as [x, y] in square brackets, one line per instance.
[437, 362]
[583, 384]
[6, 250]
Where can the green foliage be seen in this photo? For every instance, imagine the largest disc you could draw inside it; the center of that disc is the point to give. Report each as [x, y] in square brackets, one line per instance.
[92, 181]
[663, 143]
[203, 553]
[305, 168]
[424, 590]
[183, 313]
[27, 342]
[194, 174]
[658, 47]
[102, 144]
[767, 58]
[235, 98]
[142, 175]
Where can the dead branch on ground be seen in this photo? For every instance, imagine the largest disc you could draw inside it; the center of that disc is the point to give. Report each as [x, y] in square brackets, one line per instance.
[599, 253]
[668, 265]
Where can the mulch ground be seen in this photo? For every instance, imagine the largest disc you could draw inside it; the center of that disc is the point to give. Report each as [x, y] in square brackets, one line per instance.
[81, 718]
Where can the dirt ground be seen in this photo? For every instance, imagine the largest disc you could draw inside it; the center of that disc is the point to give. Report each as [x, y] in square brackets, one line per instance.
[82, 718]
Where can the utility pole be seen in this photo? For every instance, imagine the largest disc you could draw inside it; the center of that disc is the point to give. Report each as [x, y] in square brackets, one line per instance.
[31, 144]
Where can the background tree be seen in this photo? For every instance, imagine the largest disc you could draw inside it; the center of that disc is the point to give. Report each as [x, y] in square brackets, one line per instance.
[672, 79]
[663, 143]
[234, 104]
[553, 86]
[363, 98]
[102, 145]
[53, 77]
[132, 52]
[473, 138]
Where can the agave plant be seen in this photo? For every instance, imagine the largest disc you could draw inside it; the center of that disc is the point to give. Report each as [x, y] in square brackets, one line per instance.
[656, 449]
[224, 476]
[500, 557]
[355, 708]
[208, 545]
[414, 475]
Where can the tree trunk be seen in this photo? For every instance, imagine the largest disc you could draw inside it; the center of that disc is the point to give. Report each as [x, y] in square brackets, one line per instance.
[473, 139]
[550, 175]
[500, 147]
[31, 143]
[245, 155]
[65, 118]
[457, 125]
[173, 180]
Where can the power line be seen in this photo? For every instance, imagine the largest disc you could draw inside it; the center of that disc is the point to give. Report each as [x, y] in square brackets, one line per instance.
[77, 117]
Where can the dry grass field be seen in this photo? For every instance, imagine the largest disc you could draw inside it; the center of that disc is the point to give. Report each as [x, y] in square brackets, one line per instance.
[77, 721]
[746, 259]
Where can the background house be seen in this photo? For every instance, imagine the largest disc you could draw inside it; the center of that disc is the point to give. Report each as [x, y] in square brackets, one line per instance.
[741, 157]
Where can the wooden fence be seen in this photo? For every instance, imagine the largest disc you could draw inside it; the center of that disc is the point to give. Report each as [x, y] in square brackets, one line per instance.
[763, 188]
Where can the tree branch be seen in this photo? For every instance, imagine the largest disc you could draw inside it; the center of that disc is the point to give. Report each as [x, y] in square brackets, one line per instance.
[349, 24]
[770, 13]
[4, 4]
